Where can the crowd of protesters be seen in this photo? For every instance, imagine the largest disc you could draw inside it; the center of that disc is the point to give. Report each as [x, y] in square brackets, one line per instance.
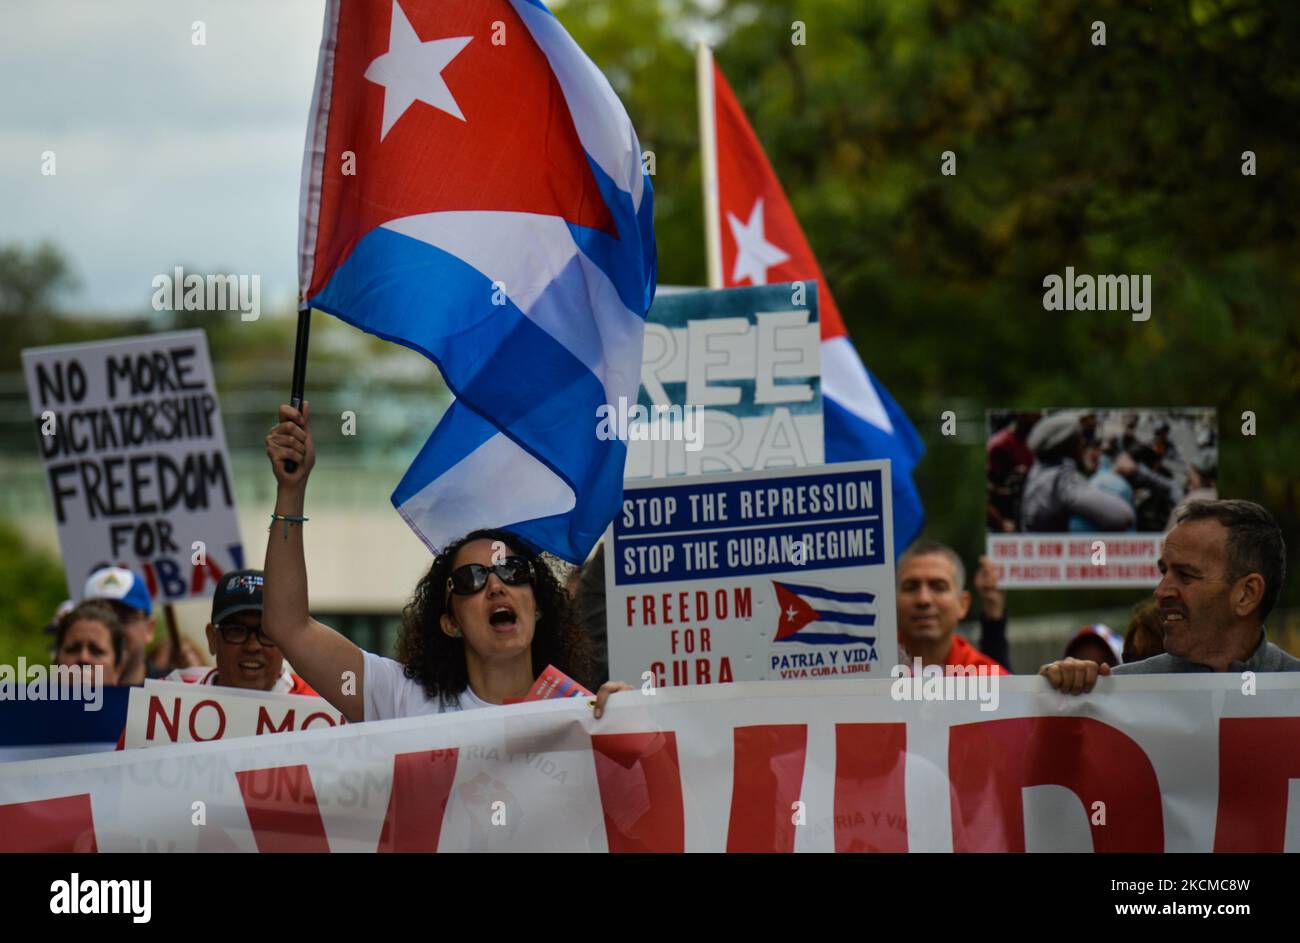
[490, 613]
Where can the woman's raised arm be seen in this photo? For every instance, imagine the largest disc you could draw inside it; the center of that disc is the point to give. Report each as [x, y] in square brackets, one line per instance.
[325, 659]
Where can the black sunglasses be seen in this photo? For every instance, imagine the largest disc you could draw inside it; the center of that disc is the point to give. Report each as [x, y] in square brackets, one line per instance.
[472, 577]
[236, 633]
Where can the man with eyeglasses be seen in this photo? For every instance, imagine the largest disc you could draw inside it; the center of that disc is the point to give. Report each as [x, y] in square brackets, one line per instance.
[246, 658]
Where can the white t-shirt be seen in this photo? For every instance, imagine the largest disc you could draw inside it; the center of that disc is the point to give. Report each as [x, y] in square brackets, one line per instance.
[390, 694]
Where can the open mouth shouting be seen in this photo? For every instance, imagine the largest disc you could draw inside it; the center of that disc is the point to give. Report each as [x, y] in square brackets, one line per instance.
[503, 618]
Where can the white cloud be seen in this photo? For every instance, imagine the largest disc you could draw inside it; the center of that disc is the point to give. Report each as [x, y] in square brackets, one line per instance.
[167, 153]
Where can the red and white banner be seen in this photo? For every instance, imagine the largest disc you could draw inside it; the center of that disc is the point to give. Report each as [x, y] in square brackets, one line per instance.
[1141, 764]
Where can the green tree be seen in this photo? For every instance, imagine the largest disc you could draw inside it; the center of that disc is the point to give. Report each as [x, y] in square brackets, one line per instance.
[31, 587]
[1123, 158]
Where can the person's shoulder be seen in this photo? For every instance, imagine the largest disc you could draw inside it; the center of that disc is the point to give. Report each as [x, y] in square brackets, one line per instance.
[198, 674]
[1280, 659]
[964, 653]
[301, 687]
[1164, 663]
[389, 693]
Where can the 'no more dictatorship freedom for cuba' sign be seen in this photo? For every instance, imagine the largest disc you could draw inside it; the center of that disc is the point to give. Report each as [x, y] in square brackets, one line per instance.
[753, 576]
[135, 457]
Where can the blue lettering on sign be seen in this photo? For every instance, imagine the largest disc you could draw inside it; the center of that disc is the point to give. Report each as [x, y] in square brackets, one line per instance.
[713, 530]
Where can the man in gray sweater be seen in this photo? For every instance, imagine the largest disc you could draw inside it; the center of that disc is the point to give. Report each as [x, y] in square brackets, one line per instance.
[1221, 569]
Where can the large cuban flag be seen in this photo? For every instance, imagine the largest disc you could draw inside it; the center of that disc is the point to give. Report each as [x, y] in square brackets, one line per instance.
[763, 242]
[473, 190]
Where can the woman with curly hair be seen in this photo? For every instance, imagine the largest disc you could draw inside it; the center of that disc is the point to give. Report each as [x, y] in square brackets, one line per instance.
[483, 623]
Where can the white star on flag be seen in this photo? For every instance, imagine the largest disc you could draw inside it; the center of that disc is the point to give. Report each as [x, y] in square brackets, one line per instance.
[411, 70]
[792, 612]
[754, 254]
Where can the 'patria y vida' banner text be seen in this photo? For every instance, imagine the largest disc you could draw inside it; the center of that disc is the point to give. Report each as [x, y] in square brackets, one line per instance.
[1143, 764]
[135, 457]
[753, 576]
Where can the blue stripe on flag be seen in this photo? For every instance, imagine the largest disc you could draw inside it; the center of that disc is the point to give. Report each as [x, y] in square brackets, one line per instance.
[847, 618]
[835, 595]
[496, 361]
[622, 259]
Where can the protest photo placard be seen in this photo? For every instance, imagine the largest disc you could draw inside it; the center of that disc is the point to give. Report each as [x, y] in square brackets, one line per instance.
[165, 712]
[738, 372]
[135, 459]
[1083, 497]
[753, 576]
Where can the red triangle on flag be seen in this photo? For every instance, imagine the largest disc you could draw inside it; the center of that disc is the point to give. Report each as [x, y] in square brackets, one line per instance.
[771, 244]
[795, 612]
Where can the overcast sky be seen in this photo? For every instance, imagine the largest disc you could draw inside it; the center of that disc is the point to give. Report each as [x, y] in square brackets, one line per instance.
[167, 153]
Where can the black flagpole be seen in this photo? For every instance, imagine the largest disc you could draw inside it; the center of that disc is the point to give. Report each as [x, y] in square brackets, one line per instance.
[299, 368]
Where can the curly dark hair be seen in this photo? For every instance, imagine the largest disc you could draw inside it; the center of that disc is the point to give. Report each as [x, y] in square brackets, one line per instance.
[437, 662]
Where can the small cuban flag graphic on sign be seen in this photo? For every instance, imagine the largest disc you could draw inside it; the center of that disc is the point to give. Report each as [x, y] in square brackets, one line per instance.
[814, 615]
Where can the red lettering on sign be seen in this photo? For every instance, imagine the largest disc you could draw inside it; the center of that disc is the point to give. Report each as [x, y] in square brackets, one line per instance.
[198, 578]
[870, 799]
[421, 788]
[766, 781]
[265, 724]
[221, 721]
[990, 762]
[640, 791]
[48, 825]
[158, 712]
[282, 809]
[1258, 756]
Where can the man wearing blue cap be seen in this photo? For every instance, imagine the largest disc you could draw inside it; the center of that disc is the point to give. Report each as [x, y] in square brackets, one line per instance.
[129, 598]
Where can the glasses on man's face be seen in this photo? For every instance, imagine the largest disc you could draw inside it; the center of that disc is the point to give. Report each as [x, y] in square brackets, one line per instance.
[236, 633]
[472, 577]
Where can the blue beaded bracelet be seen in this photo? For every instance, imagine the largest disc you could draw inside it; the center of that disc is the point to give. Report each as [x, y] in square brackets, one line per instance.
[288, 519]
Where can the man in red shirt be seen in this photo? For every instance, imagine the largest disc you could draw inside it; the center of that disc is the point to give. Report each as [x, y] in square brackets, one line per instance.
[931, 600]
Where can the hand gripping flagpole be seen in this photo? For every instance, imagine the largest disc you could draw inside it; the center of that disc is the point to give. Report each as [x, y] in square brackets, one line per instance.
[299, 368]
[709, 163]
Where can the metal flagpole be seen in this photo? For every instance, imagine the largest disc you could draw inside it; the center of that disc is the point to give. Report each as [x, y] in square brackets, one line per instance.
[709, 163]
[299, 368]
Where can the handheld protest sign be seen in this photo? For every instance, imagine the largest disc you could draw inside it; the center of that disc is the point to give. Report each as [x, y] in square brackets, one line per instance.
[135, 457]
[1084, 497]
[160, 713]
[753, 576]
[730, 381]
